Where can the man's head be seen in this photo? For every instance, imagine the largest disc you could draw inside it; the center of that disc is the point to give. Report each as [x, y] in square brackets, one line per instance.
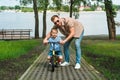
[54, 32]
[56, 20]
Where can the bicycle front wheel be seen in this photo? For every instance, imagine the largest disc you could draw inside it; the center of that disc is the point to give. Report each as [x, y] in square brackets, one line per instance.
[52, 63]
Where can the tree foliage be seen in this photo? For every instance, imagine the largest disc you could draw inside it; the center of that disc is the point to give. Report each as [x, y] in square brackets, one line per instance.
[57, 4]
[26, 2]
[109, 6]
[42, 3]
[74, 7]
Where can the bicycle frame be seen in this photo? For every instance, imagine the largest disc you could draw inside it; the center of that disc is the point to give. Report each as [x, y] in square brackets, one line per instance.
[54, 58]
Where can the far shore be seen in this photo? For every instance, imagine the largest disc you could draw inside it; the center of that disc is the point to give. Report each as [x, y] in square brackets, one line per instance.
[19, 11]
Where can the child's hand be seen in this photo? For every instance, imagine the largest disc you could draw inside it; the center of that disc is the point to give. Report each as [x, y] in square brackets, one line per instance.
[45, 41]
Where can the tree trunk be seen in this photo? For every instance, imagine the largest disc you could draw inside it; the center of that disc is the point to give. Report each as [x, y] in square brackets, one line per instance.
[44, 19]
[44, 24]
[110, 20]
[36, 19]
[71, 3]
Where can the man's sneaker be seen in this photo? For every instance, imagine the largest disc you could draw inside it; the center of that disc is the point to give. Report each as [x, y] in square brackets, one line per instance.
[49, 63]
[60, 63]
[65, 64]
[77, 66]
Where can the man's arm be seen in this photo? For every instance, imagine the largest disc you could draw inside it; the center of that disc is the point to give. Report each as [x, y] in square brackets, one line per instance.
[72, 33]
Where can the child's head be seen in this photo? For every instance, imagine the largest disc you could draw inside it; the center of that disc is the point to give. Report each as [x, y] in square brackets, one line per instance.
[54, 32]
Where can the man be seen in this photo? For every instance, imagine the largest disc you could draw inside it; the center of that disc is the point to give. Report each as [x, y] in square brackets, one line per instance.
[71, 29]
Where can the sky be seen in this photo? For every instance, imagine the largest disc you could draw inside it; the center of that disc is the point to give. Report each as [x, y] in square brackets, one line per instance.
[9, 2]
[16, 2]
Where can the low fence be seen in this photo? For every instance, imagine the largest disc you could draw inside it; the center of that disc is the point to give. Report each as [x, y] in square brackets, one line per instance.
[12, 34]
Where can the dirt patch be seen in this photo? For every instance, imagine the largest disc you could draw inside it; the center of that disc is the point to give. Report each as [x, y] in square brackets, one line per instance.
[12, 69]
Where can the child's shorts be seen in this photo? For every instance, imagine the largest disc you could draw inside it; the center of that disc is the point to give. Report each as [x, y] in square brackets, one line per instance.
[59, 53]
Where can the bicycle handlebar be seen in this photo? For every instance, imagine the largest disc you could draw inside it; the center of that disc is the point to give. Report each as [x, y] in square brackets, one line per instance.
[53, 42]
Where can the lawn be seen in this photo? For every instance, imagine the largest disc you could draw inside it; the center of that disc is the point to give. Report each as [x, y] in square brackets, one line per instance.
[104, 55]
[17, 56]
[13, 49]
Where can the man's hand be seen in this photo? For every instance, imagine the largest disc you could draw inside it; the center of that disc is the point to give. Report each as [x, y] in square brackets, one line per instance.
[62, 42]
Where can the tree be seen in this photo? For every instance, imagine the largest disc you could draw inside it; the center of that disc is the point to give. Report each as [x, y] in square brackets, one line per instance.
[43, 4]
[71, 7]
[44, 18]
[3, 7]
[17, 7]
[74, 6]
[36, 19]
[25, 2]
[110, 14]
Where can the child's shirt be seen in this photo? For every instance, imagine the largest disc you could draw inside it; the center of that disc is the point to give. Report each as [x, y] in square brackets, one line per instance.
[56, 46]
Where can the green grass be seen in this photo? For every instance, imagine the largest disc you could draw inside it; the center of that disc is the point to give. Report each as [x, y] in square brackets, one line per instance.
[104, 55]
[13, 49]
[17, 56]
[101, 47]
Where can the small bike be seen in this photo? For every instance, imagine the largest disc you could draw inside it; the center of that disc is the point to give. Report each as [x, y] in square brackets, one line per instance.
[54, 59]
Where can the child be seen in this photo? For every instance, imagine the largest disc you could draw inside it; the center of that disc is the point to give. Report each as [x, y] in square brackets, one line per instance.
[56, 46]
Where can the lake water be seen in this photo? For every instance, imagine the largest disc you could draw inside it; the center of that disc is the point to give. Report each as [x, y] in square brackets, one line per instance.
[94, 22]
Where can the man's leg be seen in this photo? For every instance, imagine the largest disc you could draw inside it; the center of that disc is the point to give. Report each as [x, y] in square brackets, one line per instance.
[66, 50]
[78, 50]
[66, 53]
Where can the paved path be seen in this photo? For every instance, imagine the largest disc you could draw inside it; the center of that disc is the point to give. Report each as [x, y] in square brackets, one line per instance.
[39, 70]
